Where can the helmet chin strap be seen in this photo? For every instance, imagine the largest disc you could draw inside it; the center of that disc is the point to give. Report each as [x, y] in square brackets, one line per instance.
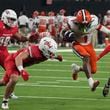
[7, 26]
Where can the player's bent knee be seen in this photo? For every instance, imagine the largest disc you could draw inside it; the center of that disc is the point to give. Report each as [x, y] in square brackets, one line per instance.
[14, 78]
[93, 71]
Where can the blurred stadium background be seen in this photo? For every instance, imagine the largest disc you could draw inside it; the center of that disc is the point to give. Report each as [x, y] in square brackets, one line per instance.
[101, 8]
[95, 6]
[50, 86]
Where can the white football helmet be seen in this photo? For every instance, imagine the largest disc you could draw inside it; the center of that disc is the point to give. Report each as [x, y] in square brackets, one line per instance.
[7, 15]
[48, 46]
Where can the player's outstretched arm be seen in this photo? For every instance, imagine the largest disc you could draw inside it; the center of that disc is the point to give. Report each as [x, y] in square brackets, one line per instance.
[19, 64]
[32, 37]
[59, 58]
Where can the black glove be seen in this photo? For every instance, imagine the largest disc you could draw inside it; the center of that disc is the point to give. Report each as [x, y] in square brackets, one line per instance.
[68, 35]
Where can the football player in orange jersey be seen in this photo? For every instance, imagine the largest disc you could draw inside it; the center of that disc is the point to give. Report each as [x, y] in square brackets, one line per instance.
[80, 33]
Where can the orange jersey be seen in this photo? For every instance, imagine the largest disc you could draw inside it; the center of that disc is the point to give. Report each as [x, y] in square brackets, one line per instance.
[86, 50]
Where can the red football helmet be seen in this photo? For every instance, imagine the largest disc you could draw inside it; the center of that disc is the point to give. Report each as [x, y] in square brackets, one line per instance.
[83, 16]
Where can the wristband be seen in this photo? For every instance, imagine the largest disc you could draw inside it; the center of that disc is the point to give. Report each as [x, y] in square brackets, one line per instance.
[20, 68]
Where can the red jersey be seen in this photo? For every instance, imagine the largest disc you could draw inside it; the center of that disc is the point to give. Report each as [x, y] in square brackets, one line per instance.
[6, 34]
[35, 57]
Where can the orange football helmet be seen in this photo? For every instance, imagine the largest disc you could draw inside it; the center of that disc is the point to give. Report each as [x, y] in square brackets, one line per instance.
[83, 16]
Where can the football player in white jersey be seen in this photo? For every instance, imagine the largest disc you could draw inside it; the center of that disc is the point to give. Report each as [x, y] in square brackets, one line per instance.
[80, 33]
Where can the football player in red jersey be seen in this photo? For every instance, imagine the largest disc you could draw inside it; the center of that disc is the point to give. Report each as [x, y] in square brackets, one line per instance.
[8, 31]
[80, 33]
[15, 63]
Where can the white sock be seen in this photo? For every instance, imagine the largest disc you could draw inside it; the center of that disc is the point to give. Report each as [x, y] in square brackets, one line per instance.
[90, 81]
[4, 99]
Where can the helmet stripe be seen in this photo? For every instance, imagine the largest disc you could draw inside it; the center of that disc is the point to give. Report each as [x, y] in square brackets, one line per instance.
[84, 16]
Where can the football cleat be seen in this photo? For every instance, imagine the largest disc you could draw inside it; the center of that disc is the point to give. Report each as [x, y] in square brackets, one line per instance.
[95, 84]
[4, 105]
[13, 96]
[75, 70]
[105, 90]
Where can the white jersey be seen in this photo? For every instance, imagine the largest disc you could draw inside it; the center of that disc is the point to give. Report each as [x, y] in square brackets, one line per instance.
[62, 22]
[51, 20]
[43, 20]
[88, 34]
[106, 21]
[60, 18]
[23, 20]
[33, 23]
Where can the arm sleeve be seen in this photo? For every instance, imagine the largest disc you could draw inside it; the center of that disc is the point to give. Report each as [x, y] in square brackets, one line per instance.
[104, 29]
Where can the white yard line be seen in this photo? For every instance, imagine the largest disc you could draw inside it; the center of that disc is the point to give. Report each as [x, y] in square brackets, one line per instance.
[52, 86]
[49, 82]
[64, 98]
[59, 50]
[60, 70]
[70, 50]
[66, 79]
[66, 65]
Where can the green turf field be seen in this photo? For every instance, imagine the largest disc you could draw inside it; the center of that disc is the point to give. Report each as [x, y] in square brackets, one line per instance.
[51, 87]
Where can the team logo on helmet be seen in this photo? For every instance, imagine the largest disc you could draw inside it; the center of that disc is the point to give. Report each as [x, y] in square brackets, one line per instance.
[83, 16]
